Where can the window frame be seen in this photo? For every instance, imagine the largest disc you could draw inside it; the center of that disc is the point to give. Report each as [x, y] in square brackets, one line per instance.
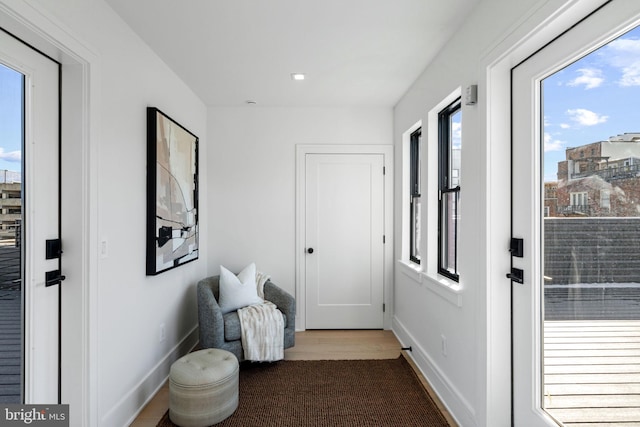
[444, 170]
[414, 195]
[579, 196]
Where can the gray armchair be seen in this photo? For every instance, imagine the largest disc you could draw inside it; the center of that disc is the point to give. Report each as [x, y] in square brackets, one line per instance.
[223, 331]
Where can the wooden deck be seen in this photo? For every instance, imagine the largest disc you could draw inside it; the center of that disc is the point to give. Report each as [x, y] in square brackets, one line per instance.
[592, 372]
[10, 343]
[10, 325]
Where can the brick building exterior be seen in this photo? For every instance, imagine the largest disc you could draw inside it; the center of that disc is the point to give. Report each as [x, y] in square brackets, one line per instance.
[601, 179]
[551, 198]
[10, 205]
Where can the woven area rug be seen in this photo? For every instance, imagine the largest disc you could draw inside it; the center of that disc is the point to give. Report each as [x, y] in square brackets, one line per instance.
[331, 393]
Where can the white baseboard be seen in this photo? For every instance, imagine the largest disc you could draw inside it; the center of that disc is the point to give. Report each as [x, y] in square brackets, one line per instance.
[132, 403]
[451, 398]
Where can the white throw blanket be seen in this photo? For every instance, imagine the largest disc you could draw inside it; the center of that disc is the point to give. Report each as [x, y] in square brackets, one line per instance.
[261, 279]
[262, 328]
[262, 331]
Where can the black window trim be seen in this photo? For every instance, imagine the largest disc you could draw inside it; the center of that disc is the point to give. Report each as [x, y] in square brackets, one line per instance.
[444, 151]
[414, 190]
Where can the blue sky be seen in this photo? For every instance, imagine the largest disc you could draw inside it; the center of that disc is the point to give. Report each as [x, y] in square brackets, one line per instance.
[10, 119]
[592, 99]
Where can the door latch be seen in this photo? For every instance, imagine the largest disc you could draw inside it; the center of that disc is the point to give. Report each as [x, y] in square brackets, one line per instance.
[53, 249]
[516, 275]
[516, 247]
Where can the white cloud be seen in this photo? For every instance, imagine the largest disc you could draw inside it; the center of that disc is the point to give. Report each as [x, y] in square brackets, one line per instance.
[631, 75]
[456, 137]
[11, 156]
[551, 144]
[589, 77]
[624, 54]
[565, 126]
[585, 117]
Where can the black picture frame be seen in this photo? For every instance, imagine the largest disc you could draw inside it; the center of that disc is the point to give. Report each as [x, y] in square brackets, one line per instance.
[172, 193]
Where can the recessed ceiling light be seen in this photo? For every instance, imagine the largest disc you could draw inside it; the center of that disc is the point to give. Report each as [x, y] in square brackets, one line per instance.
[297, 76]
[251, 102]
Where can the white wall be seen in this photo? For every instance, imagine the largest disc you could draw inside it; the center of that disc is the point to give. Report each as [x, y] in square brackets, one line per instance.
[129, 361]
[131, 305]
[473, 378]
[252, 185]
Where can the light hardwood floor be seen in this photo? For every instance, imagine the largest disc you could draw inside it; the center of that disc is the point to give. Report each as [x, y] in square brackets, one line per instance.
[315, 345]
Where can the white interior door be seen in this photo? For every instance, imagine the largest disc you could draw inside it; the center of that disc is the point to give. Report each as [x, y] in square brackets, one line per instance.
[535, 402]
[344, 241]
[40, 212]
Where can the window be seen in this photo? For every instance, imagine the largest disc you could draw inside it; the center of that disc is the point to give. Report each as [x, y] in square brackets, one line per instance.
[414, 195]
[449, 149]
[605, 199]
[579, 199]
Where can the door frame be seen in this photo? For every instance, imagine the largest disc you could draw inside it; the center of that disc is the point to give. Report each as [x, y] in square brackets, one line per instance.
[541, 25]
[79, 127]
[301, 153]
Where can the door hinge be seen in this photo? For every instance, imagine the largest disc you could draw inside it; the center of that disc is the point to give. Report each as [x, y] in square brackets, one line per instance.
[384, 170]
[383, 307]
[384, 239]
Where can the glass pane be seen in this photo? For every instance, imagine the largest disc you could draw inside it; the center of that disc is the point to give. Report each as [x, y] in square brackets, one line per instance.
[456, 148]
[450, 208]
[414, 192]
[415, 229]
[591, 238]
[11, 135]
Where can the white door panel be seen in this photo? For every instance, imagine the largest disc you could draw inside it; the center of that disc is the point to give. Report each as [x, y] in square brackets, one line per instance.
[40, 216]
[528, 197]
[344, 228]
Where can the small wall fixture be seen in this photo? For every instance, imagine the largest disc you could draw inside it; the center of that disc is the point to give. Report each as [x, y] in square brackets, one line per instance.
[297, 76]
[471, 96]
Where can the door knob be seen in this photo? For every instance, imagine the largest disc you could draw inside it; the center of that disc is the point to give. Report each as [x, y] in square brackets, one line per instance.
[310, 250]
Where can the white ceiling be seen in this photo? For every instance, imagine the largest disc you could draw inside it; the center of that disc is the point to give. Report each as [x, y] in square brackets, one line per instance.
[354, 52]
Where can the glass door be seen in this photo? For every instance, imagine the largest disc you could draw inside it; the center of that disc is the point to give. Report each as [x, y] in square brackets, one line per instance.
[29, 217]
[576, 204]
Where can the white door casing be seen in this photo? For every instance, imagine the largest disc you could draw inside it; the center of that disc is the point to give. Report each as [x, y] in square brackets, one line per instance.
[40, 215]
[527, 148]
[81, 94]
[346, 247]
[345, 231]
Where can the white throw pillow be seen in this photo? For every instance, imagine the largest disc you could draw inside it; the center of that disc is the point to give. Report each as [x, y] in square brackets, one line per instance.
[238, 291]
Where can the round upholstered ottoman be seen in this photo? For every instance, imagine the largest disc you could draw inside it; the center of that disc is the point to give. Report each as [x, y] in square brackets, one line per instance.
[203, 388]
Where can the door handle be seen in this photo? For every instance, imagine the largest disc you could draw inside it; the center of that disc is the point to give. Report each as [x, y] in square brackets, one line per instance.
[516, 275]
[53, 278]
[310, 250]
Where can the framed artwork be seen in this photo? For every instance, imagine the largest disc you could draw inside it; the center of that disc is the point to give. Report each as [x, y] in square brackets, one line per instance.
[172, 193]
